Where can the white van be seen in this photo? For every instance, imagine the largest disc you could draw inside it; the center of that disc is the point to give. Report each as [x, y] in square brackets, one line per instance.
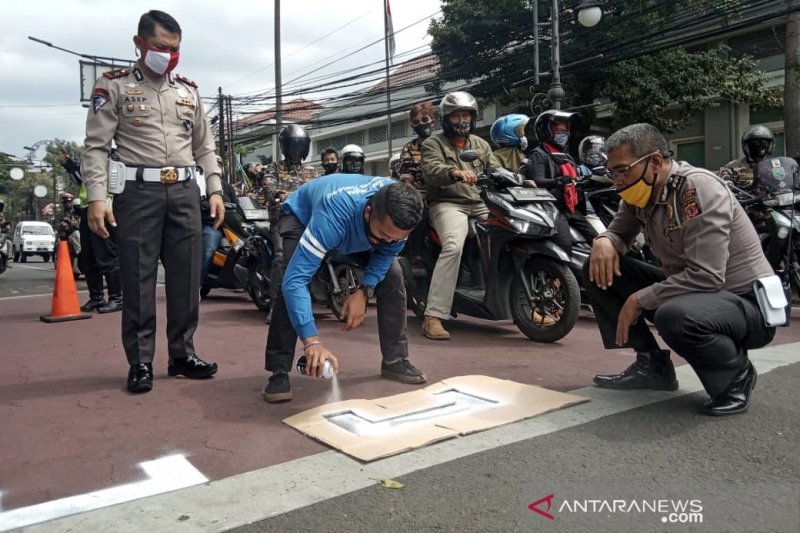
[33, 238]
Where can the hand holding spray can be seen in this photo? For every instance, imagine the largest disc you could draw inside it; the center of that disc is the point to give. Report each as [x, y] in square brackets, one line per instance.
[327, 367]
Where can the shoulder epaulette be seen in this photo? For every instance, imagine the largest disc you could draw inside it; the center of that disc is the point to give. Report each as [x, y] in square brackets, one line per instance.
[113, 74]
[187, 81]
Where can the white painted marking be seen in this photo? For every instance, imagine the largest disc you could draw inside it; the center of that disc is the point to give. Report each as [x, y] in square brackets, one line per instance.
[240, 500]
[166, 474]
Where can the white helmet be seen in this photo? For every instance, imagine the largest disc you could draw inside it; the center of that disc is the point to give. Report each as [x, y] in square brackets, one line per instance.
[352, 159]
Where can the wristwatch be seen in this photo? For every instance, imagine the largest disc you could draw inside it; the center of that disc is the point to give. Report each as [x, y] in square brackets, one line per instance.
[368, 290]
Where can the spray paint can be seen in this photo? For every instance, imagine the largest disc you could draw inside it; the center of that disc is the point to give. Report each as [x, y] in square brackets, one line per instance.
[327, 368]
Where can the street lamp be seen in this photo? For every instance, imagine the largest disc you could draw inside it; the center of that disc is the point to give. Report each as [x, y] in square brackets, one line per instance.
[589, 14]
[31, 155]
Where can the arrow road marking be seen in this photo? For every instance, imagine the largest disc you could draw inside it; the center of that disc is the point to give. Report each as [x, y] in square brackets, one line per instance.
[166, 474]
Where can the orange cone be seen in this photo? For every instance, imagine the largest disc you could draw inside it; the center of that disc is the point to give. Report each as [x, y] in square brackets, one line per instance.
[65, 295]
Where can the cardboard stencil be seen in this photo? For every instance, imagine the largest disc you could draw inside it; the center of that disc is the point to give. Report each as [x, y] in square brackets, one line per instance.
[372, 429]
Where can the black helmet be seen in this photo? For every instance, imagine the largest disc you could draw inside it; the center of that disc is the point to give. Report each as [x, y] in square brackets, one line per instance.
[294, 142]
[352, 159]
[591, 151]
[757, 142]
[543, 122]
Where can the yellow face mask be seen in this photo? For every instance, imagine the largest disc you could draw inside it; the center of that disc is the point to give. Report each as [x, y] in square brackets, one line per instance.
[638, 193]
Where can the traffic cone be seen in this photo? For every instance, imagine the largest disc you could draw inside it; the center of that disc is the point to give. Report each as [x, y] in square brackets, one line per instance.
[65, 295]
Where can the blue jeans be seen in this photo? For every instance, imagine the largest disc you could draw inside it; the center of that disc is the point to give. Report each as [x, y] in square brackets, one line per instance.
[211, 239]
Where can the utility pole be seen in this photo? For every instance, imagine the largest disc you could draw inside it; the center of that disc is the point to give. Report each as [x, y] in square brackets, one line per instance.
[388, 88]
[278, 82]
[791, 87]
[222, 147]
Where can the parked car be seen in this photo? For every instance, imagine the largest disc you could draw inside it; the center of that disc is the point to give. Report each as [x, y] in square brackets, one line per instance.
[33, 238]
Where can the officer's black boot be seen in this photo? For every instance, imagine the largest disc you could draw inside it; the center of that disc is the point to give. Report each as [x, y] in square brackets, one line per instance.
[94, 281]
[651, 370]
[114, 293]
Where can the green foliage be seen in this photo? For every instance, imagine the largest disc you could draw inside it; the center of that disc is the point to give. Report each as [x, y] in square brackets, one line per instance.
[668, 87]
[489, 42]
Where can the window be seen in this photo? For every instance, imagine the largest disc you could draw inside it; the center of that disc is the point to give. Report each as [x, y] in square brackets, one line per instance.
[762, 116]
[780, 145]
[693, 153]
[399, 129]
[340, 141]
[376, 135]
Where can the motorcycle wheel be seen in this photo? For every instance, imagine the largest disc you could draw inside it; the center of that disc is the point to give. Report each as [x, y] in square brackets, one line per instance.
[46, 257]
[413, 300]
[2, 264]
[556, 290]
[259, 292]
[23, 258]
[349, 279]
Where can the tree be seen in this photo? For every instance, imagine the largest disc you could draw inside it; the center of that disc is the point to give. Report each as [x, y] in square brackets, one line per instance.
[489, 42]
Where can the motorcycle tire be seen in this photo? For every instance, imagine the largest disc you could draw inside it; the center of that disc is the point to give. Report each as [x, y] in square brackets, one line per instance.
[259, 292]
[23, 258]
[414, 301]
[558, 289]
[16, 257]
[46, 257]
[349, 279]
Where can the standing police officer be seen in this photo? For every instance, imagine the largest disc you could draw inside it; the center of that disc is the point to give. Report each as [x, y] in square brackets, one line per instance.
[157, 121]
[702, 301]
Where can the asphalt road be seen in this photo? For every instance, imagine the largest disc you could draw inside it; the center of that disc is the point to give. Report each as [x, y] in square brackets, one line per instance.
[32, 277]
[742, 474]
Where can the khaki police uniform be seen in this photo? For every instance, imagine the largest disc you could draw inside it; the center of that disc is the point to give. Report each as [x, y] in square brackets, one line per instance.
[161, 133]
[701, 300]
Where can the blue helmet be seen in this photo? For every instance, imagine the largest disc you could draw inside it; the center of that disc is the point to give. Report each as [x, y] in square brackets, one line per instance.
[509, 130]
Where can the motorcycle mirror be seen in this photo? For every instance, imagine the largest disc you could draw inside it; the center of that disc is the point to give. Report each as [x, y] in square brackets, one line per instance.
[468, 156]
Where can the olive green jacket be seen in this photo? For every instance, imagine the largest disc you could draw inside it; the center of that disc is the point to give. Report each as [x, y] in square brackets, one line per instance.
[439, 156]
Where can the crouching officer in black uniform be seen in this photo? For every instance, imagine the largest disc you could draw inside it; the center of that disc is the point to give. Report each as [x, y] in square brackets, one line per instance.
[702, 302]
[157, 120]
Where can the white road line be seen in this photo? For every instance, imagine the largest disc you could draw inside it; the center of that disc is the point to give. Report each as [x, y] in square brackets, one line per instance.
[246, 498]
[165, 474]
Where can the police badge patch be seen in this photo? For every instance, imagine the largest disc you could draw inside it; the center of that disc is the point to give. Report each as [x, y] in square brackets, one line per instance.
[99, 98]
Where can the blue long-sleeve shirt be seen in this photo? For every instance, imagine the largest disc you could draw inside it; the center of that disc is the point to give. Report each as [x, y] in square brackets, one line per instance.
[332, 210]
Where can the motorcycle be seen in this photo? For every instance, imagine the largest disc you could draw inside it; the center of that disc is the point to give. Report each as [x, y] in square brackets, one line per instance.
[244, 256]
[5, 244]
[338, 277]
[773, 209]
[510, 265]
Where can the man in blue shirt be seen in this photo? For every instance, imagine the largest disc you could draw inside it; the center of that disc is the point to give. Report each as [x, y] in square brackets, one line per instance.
[348, 214]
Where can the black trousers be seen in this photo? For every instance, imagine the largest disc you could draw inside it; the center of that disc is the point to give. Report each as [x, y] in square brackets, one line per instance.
[577, 220]
[711, 330]
[99, 259]
[156, 220]
[391, 300]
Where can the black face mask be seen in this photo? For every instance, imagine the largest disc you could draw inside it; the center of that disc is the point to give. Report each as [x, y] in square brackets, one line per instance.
[330, 168]
[380, 243]
[423, 130]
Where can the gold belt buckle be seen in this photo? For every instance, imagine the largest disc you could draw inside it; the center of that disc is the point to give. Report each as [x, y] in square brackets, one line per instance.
[169, 175]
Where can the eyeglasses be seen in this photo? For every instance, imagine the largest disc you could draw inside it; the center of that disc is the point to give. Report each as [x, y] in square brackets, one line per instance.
[622, 170]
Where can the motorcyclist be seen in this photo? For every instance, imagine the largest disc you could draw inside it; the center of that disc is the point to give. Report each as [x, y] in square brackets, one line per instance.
[352, 159]
[71, 220]
[551, 167]
[757, 144]
[394, 167]
[421, 116]
[330, 161]
[452, 199]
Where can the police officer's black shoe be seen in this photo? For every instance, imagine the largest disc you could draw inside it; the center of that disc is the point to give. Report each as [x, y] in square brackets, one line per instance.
[278, 389]
[651, 370]
[93, 304]
[112, 306]
[736, 398]
[192, 367]
[140, 377]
